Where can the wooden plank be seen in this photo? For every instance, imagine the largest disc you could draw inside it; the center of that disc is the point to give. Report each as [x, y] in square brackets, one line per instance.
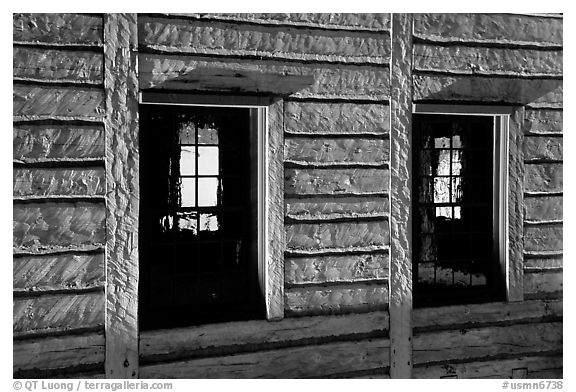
[519, 339]
[336, 269]
[329, 181]
[316, 118]
[60, 312]
[543, 122]
[57, 65]
[300, 362]
[58, 272]
[542, 283]
[543, 148]
[487, 61]
[401, 197]
[328, 81]
[543, 237]
[330, 208]
[534, 263]
[333, 236]
[489, 28]
[58, 353]
[543, 208]
[58, 182]
[58, 29]
[218, 38]
[67, 103]
[488, 89]
[326, 151]
[58, 226]
[353, 298]
[232, 337]
[43, 143]
[122, 201]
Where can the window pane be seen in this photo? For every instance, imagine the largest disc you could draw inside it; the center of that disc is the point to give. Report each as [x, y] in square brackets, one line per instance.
[443, 167]
[188, 192]
[207, 192]
[187, 161]
[186, 133]
[456, 163]
[207, 135]
[456, 195]
[442, 142]
[442, 190]
[209, 222]
[208, 161]
[426, 273]
[187, 222]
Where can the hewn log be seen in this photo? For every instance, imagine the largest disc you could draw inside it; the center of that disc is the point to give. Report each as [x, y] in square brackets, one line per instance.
[330, 269]
[60, 312]
[543, 237]
[543, 122]
[58, 29]
[543, 208]
[543, 148]
[343, 207]
[327, 181]
[325, 151]
[543, 177]
[58, 182]
[542, 263]
[315, 118]
[542, 283]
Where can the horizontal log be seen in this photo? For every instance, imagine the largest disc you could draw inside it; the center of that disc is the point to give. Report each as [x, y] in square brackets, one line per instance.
[41, 102]
[255, 76]
[478, 60]
[204, 340]
[543, 148]
[337, 299]
[58, 182]
[543, 177]
[58, 353]
[60, 312]
[57, 65]
[58, 29]
[542, 263]
[543, 122]
[501, 368]
[455, 317]
[331, 236]
[330, 208]
[325, 151]
[518, 339]
[218, 38]
[541, 283]
[482, 28]
[58, 226]
[315, 118]
[299, 362]
[331, 269]
[58, 272]
[543, 208]
[487, 89]
[335, 181]
[543, 238]
[40, 143]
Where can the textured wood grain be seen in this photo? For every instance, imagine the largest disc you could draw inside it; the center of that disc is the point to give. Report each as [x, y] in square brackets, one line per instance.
[543, 177]
[58, 29]
[543, 208]
[542, 283]
[58, 272]
[60, 312]
[330, 208]
[543, 122]
[352, 298]
[543, 237]
[335, 181]
[535, 263]
[58, 182]
[58, 226]
[326, 151]
[543, 148]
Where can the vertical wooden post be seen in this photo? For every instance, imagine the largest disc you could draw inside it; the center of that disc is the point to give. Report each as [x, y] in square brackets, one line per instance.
[122, 195]
[400, 197]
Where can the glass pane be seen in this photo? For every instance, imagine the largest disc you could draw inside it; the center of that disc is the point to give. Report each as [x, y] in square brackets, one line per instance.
[442, 190]
[188, 192]
[186, 133]
[456, 141]
[187, 221]
[425, 162]
[445, 212]
[456, 163]
[427, 220]
[426, 273]
[207, 192]
[208, 161]
[426, 190]
[444, 276]
[207, 135]
[442, 142]
[456, 190]
[166, 223]
[209, 222]
[187, 161]
[443, 168]
[428, 248]
[461, 278]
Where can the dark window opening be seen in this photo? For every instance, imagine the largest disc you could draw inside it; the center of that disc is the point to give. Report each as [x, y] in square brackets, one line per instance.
[198, 262]
[456, 257]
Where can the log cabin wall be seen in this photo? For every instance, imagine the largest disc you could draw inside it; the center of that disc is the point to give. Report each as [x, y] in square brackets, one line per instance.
[332, 72]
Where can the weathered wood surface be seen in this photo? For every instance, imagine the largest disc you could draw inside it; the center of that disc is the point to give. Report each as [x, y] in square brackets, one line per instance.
[58, 226]
[353, 298]
[60, 312]
[342, 207]
[68, 103]
[544, 122]
[253, 76]
[486, 89]
[518, 339]
[48, 65]
[488, 61]
[543, 148]
[336, 236]
[489, 28]
[230, 338]
[536, 263]
[43, 143]
[218, 38]
[543, 208]
[58, 272]
[58, 29]
[543, 283]
[543, 177]
[546, 237]
[328, 181]
[326, 151]
[315, 118]
[38, 182]
[336, 268]
[502, 368]
[53, 353]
